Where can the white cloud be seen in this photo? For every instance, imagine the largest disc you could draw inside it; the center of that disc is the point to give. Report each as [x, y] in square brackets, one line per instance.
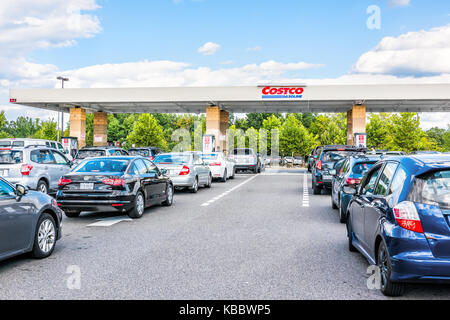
[413, 53]
[209, 48]
[398, 3]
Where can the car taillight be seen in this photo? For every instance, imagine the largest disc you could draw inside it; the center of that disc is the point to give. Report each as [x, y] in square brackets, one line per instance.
[62, 182]
[215, 164]
[319, 165]
[407, 216]
[151, 158]
[185, 171]
[114, 182]
[351, 181]
[26, 169]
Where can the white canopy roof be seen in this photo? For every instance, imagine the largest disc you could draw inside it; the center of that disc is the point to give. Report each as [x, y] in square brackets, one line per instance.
[329, 98]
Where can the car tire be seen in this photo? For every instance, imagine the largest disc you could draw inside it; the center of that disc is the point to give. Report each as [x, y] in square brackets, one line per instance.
[316, 189]
[42, 186]
[225, 176]
[194, 188]
[234, 174]
[351, 247]
[388, 288]
[139, 206]
[209, 184]
[342, 215]
[169, 198]
[45, 237]
[333, 205]
[72, 214]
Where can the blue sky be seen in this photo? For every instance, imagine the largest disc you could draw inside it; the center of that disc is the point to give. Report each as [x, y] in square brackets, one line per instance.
[164, 37]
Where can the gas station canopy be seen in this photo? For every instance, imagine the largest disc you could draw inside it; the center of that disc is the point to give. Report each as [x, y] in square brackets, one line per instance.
[264, 98]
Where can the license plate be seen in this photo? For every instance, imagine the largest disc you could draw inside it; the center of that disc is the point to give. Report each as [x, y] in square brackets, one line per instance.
[86, 186]
[327, 177]
[4, 173]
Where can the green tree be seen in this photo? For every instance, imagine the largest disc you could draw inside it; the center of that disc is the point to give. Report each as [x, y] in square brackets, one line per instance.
[377, 130]
[23, 127]
[48, 131]
[330, 129]
[271, 123]
[295, 138]
[147, 132]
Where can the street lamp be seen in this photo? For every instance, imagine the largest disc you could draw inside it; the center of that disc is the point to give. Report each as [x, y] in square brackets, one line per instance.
[62, 79]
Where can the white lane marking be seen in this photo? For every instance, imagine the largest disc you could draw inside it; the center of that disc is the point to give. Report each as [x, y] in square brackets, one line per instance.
[108, 222]
[227, 192]
[305, 191]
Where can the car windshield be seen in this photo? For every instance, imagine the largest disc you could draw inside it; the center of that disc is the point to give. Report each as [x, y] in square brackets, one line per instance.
[83, 154]
[332, 156]
[436, 188]
[103, 165]
[172, 158]
[139, 152]
[361, 168]
[210, 156]
[11, 156]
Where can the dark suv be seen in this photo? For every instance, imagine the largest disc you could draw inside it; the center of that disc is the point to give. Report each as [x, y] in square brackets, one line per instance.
[312, 157]
[322, 171]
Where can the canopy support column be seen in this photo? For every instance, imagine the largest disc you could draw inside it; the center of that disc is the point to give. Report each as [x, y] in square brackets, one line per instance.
[356, 122]
[78, 125]
[217, 125]
[100, 129]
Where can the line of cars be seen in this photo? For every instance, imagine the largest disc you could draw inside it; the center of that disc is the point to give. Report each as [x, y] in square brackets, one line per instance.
[396, 209]
[99, 179]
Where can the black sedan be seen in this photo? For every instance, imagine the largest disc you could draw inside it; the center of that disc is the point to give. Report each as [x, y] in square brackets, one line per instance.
[127, 184]
[30, 221]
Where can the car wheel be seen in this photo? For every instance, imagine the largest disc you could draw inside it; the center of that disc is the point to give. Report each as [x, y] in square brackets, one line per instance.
[351, 248]
[42, 187]
[45, 237]
[388, 288]
[225, 176]
[209, 184]
[234, 174]
[333, 205]
[139, 206]
[169, 196]
[72, 214]
[194, 187]
[316, 189]
[342, 215]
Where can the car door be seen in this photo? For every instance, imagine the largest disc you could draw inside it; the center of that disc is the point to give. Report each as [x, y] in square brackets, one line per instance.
[156, 180]
[338, 180]
[15, 221]
[200, 168]
[48, 164]
[378, 205]
[142, 172]
[62, 162]
[364, 199]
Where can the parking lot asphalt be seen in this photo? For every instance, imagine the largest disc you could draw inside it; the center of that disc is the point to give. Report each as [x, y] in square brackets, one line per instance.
[254, 237]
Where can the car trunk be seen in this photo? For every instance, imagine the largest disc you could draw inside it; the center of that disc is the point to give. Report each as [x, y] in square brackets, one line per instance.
[88, 183]
[431, 194]
[173, 169]
[10, 171]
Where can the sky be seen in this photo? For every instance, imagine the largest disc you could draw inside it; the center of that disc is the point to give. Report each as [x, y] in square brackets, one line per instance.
[138, 43]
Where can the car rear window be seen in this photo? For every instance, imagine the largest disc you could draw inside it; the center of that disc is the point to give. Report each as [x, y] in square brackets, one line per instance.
[18, 144]
[172, 158]
[210, 156]
[103, 165]
[139, 152]
[433, 188]
[11, 156]
[243, 152]
[362, 167]
[332, 156]
[83, 154]
[4, 144]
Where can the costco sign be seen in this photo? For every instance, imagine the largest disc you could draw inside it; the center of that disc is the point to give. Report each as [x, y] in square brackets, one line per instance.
[283, 92]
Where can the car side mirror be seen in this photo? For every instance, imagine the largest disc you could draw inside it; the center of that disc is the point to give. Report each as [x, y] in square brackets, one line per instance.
[332, 172]
[350, 189]
[20, 190]
[164, 171]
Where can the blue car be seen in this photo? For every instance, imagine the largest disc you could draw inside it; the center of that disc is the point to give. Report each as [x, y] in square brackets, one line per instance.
[399, 219]
[350, 173]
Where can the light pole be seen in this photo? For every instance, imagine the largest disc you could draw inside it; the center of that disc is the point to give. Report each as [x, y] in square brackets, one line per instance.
[62, 79]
